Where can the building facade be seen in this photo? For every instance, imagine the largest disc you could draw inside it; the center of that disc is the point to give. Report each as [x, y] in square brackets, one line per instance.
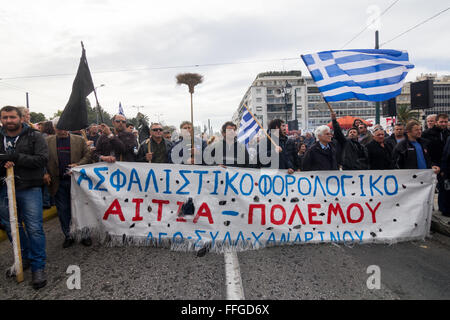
[267, 100]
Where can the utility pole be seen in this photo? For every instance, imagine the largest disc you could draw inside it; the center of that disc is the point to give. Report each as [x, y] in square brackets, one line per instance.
[28, 103]
[377, 104]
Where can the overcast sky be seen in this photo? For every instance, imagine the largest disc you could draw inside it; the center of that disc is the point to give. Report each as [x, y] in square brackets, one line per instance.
[136, 48]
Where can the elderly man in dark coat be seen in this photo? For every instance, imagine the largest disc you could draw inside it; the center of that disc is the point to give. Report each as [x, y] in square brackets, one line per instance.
[322, 154]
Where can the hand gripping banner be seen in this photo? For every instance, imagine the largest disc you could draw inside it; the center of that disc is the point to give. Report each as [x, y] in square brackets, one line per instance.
[190, 207]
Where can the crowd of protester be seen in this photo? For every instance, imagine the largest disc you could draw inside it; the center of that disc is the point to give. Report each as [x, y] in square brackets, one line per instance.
[42, 156]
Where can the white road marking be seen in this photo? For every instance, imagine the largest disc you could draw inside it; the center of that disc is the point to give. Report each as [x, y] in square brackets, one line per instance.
[235, 290]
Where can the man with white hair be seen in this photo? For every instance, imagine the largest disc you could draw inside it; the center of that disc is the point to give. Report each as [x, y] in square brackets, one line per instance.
[322, 154]
[431, 121]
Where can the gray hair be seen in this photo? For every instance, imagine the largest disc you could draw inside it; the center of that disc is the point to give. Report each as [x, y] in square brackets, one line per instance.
[320, 131]
[431, 115]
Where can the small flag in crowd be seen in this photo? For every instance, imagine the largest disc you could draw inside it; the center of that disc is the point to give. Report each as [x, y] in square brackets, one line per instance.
[248, 128]
[121, 110]
[74, 117]
[366, 74]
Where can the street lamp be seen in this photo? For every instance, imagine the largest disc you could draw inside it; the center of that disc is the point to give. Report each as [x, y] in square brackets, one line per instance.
[286, 92]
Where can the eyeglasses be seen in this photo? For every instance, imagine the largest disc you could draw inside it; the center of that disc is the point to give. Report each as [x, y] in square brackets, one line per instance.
[157, 129]
[119, 121]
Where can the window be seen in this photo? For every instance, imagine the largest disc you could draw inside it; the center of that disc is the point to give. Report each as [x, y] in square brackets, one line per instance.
[258, 90]
[258, 108]
[258, 99]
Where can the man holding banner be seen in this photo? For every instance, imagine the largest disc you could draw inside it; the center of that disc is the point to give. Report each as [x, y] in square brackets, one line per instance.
[65, 152]
[24, 149]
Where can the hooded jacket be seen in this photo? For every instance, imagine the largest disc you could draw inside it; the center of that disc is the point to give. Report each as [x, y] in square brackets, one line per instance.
[29, 154]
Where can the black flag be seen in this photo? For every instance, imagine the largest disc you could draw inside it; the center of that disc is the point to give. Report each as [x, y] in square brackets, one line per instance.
[74, 116]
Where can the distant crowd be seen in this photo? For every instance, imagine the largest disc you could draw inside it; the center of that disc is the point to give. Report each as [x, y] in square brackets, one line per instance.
[42, 156]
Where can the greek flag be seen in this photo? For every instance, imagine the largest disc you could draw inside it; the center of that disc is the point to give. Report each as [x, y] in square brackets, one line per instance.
[248, 128]
[372, 74]
[121, 110]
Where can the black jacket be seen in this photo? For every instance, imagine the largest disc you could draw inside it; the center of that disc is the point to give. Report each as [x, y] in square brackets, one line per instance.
[391, 140]
[288, 155]
[352, 155]
[122, 146]
[405, 154]
[318, 159]
[30, 158]
[380, 158]
[436, 141]
[445, 162]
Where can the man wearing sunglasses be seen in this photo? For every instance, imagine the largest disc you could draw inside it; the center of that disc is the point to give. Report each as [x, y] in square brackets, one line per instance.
[156, 148]
[115, 147]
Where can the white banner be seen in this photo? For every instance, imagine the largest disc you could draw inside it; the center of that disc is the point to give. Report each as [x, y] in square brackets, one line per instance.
[141, 203]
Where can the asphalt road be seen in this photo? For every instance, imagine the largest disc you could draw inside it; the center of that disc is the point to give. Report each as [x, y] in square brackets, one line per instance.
[410, 270]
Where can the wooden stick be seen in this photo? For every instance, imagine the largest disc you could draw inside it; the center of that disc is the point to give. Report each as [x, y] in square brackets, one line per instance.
[14, 224]
[83, 133]
[329, 107]
[254, 118]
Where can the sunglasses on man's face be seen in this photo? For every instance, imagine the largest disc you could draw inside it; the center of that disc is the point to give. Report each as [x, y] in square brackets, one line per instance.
[157, 129]
[119, 121]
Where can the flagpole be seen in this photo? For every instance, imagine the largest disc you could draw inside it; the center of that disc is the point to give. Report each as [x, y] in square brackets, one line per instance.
[95, 92]
[254, 118]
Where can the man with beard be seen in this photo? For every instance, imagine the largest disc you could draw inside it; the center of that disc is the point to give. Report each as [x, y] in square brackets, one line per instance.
[24, 149]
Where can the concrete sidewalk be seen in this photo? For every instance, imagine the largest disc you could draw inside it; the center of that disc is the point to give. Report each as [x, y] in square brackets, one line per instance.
[439, 222]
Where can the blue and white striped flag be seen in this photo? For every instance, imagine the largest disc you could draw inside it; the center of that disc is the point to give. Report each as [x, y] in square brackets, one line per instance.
[371, 74]
[248, 128]
[121, 110]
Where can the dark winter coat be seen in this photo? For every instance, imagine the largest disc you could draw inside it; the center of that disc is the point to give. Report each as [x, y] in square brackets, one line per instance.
[380, 158]
[287, 157]
[437, 139]
[353, 155]
[405, 157]
[317, 158]
[30, 157]
[121, 146]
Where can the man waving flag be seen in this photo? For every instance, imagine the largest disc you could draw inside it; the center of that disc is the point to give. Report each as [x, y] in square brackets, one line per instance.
[366, 74]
